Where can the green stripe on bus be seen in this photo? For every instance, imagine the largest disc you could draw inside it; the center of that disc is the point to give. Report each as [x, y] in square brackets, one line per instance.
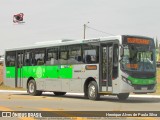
[33, 71]
[59, 71]
[10, 72]
[140, 81]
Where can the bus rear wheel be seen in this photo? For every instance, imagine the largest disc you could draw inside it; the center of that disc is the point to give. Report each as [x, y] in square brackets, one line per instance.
[32, 88]
[93, 91]
[123, 96]
[59, 93]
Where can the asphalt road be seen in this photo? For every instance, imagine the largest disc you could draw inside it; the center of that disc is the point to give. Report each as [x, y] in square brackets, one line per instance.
[21, 101]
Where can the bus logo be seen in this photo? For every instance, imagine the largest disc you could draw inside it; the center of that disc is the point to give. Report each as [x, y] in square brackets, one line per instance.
[6, 114]
[39, 72]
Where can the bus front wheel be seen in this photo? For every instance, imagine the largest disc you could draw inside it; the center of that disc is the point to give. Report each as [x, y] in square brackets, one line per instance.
[32, 88]
[93, 91]
[123, 96]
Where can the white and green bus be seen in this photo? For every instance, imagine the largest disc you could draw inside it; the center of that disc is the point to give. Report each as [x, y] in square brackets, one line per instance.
[115, 65]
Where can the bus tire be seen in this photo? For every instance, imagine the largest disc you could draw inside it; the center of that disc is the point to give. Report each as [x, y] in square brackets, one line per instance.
[93, 91]
[32, 88]
[123, 96]
[59, 93]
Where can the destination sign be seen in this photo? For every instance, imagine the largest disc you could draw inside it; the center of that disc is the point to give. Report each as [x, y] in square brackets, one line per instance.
[134, 66]
[138, 41]
[91, 67]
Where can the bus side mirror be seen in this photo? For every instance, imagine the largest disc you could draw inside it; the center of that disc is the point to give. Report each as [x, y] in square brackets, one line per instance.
[121, 51]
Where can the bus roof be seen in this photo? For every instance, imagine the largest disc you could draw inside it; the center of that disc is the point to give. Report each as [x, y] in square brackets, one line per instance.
[63, 42]
[69, 42]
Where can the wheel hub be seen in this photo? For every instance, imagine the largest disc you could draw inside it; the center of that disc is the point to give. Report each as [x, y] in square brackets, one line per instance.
[31, 87]
[92, 91]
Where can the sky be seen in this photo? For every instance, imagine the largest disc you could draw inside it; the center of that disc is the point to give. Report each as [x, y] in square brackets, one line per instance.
[49, 20]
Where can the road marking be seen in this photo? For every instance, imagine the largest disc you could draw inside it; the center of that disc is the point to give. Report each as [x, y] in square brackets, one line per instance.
[2, 108]
[12, 91]
[27, 118]
[64, 114]
[145, 96]
[47, 109]
[143, 118]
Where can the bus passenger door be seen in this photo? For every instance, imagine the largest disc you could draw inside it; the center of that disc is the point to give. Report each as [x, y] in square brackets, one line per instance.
[19, 64]
[108, 65]
[106, 62]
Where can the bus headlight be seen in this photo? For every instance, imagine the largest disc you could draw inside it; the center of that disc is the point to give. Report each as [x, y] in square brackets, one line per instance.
[129, 82]
[124, 79]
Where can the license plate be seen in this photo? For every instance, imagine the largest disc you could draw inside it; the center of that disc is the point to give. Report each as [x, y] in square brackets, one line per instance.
[144, 88]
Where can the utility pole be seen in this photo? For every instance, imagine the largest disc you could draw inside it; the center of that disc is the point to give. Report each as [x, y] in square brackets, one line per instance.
[156, 43]
[84, 31]
[84, 34]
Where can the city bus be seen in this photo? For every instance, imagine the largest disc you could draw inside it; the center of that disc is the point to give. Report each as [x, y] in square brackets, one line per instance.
[114, 65]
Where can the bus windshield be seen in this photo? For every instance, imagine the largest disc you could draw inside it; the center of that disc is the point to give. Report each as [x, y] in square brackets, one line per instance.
[138, 57]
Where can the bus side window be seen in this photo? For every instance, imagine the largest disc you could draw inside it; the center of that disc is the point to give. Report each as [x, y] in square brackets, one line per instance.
[78, 58]
[87, 59]
[63, 55]
[10, 59]
[74, 54]
[32, 58]
[39, 57]
[90, 54]
[52, 56]
[26, 58]
[115, 61]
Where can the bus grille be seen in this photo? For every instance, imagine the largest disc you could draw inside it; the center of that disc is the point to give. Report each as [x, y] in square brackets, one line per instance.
[139, 87]
[142, 75]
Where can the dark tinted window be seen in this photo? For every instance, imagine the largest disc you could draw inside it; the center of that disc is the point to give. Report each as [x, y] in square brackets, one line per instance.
[52, 56]
[74, 54]
[27, 60]
[10, 58]
[63, 55]
[90, 54]
[40, 56]
[34, 57]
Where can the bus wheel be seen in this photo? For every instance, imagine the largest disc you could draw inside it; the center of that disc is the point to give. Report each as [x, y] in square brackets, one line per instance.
[32, 88]
[93, 91]
[59, 93]
[123, 96]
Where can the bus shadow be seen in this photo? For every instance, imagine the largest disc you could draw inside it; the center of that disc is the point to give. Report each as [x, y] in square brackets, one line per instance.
[104, 98]
[66, 96]
[54, 96]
